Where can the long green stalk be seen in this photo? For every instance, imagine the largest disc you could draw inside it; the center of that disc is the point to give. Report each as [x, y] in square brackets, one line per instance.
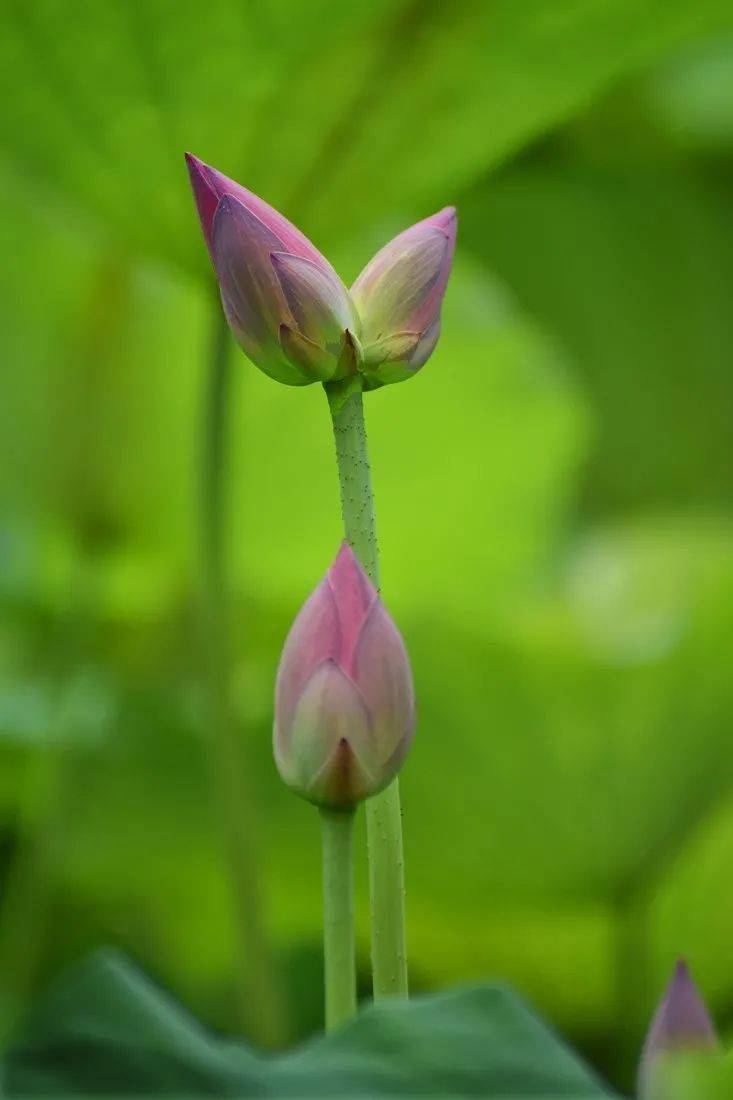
[258, 989]
[383, 813]
[338, 917]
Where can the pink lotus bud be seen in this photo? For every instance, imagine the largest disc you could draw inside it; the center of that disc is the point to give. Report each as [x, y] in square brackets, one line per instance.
[398, 297]
[289, 310]
[285, 304]
[681, 1023]
[344, 708]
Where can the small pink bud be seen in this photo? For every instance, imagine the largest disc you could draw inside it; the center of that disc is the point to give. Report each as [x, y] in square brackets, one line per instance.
[398, 297]
[344, 707]
[284, 302]
[681, 1023]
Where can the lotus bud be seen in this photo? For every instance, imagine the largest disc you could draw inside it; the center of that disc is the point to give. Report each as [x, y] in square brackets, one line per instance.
[344, 707]
[398, 297]
[289, 310]
[285, 304]
[681, 1024]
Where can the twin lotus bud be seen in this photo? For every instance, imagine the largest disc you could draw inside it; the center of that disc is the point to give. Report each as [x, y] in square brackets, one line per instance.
[682, 1024]
[289, 310]
[344, 706]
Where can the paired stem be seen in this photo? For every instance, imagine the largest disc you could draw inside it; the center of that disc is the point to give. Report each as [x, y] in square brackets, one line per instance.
[338, 917]
[260, 1003]
[384, 816]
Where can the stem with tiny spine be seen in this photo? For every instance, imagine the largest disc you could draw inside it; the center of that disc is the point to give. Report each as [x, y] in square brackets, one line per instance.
[338, 917]
[383, 812]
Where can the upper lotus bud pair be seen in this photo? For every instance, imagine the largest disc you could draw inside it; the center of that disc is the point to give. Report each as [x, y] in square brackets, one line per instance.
[291, 313]
[681, 1025]
[344, 708]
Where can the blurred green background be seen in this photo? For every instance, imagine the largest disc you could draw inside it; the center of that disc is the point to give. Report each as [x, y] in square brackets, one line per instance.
[554, 493]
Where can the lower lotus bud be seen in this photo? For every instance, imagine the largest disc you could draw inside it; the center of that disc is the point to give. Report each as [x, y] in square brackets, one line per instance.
[682, 1023]
[344, 708]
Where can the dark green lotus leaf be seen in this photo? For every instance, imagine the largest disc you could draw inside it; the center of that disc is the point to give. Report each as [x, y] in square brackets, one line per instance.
[107, 1029]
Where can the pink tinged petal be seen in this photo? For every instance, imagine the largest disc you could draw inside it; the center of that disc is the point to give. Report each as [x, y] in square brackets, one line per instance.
[317, 298]
[205, 195]
[387, 361]
[682, 1023]
[331, 759]
[207, 181]
[397, 292]
[242, 247]
[425, 347]
[251, 293]
[307, 356]
[401, 289]
[354, 595]
[392, 349]
[397, 358]
[446, 219]
[382, 673]
[314, 637]
[342, 781]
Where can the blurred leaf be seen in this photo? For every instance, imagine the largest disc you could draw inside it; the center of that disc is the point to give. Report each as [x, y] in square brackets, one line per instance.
[108, 1029]
[79, 712]
[629, 266]
[469, 84]
[691, 97]
[306, 103]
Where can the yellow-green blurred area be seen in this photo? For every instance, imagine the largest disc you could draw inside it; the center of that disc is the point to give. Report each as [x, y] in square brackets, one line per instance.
[554, 493]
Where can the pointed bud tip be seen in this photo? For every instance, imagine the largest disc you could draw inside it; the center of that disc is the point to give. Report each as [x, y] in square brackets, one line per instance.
[204, 195]
[681, 971]
[445, 219]
[685, 1015]
[681, 1023]
[196, 168]
[346, 564]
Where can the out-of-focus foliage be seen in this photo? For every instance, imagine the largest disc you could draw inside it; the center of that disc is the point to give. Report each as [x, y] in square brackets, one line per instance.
[107, 1029]
[335, 108]
[554, 490]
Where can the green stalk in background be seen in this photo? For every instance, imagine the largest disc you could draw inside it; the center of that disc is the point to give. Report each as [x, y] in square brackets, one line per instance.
[338, 916]
[260, 1002]
[63, 662]
[384, 816]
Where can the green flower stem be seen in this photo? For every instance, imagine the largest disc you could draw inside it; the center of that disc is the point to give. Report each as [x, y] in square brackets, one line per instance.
[338, 917]
[258, 989]
[384, 816]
